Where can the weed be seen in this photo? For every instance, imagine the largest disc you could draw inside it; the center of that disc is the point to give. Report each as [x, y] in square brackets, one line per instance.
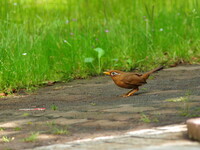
[25, 114]
[30, 123]
[155, 120]
[54, 107]
[2, 129]
[17, 129]
[100, 52]
[151, 77]
[7, 139]
[93, 104]
[60, 131]
[32, 138]
[55, 129]
[144, 89]
[178, 99]
[186, 104]
[50, 123]
[145, 118]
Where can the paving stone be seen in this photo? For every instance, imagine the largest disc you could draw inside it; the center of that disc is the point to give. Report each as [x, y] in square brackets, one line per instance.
[15, 123]
[193, 126]
[56, 114]
[129, 108]
[120, 116]
[106, 124]
[167, 91]
[64, 121]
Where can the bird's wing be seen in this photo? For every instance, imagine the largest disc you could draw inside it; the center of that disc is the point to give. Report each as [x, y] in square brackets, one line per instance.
[133, 79]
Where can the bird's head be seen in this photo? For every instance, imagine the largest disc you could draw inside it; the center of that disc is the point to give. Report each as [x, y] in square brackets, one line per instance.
[113, 73]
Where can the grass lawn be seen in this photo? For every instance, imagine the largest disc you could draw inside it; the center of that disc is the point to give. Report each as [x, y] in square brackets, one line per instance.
[42, 40]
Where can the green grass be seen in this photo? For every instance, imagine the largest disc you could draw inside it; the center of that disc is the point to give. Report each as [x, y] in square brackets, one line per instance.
[2, 129]
[32, 138]
[144, 118]
[148, 119]
[56, 129]
[178, 99]
[25, 114]
[17, 129]
[60, 131]
[54, 107]
[7, 139]
[66, 39]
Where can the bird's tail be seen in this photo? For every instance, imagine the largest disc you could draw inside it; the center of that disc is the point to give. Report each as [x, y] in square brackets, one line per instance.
[146, 75]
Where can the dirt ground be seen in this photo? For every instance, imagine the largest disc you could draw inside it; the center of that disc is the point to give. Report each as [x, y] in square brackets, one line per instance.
[92, 107]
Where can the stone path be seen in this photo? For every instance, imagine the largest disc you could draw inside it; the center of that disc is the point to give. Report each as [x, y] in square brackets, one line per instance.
[92, 109]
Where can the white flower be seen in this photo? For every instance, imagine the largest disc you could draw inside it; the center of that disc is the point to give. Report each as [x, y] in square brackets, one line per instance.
[67, 21]
[161, 29]
[24, 54]
[106, 30]
[65, 41]
[15, 4]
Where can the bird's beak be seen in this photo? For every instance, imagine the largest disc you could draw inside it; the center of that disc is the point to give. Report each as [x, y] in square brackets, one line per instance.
[107, 73]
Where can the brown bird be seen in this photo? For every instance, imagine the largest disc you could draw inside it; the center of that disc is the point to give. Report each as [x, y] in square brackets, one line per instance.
[130, 80]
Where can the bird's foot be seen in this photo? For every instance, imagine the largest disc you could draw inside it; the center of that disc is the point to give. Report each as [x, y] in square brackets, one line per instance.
[130, 93]
[125, 95]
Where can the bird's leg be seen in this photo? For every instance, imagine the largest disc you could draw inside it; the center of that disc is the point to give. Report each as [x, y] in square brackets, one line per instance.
[131, 92]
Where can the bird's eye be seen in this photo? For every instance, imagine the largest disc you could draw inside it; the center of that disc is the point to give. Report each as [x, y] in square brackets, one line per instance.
[114, 73]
